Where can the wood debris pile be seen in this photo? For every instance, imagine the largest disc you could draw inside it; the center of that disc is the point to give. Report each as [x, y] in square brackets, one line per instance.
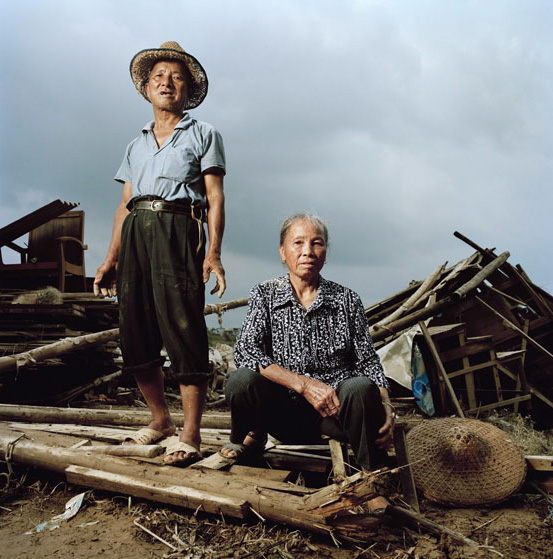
[486, 333]
[486, 336]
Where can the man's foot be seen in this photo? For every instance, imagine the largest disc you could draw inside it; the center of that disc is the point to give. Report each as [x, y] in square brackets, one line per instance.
[151, 434]
[254, 444]
[181, 453]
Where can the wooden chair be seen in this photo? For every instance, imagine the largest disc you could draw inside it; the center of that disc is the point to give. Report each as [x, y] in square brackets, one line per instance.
[55, 248]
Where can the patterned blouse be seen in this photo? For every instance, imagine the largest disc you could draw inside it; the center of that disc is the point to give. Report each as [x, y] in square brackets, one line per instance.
[330, 341]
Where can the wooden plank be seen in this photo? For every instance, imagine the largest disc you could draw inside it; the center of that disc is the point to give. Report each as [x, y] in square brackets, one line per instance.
[214, 462]
[500, 404]
[465, 351]
[512, 326]
[35, 219]
[406, 472]
[533, 391]
[540, 463]
[441, 369]
[262, 473]
[469, 377]
[337, 456]
[471, 368]
[158, 491]
[326, 510]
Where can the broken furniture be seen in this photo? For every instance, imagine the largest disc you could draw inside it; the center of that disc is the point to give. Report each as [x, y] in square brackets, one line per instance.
[55, 247]
[486, 333]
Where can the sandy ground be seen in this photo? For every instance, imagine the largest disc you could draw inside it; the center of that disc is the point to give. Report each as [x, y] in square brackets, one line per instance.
[105, 527]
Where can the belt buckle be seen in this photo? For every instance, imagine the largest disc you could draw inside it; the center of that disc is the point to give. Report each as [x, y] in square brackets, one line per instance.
[154, 205]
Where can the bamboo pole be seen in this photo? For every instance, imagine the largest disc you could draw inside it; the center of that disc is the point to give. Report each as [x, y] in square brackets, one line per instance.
[11, 362]
[440, 366]
[323, 511]
[220, 308]
[411, 319]
[83, 416]
[412, 301]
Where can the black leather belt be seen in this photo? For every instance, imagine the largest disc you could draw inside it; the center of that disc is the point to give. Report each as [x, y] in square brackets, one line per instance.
[163, 206]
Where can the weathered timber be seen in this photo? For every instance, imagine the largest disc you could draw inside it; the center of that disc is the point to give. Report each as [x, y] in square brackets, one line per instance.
[411, 319]
[158, 491]
[11, 362]
[540, 463]
[82, 416]
[139, 450]
[441, 368]
[509, 324]
[326, 511]
[483, 274]
[414, 299]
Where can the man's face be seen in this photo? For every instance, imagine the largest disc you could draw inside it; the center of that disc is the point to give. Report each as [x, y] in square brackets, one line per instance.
[166, 87]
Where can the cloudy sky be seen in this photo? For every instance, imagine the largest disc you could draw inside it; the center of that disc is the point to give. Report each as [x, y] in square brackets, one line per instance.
[398, 122]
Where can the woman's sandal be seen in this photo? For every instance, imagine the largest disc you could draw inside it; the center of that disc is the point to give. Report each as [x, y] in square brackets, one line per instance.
[243, 452]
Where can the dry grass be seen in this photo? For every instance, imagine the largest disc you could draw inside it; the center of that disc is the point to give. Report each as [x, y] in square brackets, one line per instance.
[521, 429]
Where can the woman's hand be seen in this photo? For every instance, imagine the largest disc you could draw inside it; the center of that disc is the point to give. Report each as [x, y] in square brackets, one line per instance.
[385, 433]
[321, 396]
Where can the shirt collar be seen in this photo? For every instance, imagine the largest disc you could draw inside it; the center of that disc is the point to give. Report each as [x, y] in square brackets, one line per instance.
[182, 124]
[284, 294]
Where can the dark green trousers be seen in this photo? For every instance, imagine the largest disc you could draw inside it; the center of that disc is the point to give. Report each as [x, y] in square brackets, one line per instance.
[161, 295]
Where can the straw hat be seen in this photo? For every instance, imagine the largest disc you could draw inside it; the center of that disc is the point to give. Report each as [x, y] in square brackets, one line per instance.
[464, 462]
[142, 63]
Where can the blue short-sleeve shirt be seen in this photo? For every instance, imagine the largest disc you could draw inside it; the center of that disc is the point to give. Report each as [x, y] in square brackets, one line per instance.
[174, 170]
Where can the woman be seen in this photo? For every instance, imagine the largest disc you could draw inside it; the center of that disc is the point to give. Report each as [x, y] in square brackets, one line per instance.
[307, 364]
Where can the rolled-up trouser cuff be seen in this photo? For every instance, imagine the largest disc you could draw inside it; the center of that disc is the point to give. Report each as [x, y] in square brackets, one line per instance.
[134, 369]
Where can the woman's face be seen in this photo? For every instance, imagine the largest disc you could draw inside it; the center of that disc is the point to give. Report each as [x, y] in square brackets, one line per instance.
[304, 250]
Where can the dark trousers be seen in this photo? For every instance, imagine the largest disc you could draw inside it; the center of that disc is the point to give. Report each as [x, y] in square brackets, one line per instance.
[258, 403]
[161, 295]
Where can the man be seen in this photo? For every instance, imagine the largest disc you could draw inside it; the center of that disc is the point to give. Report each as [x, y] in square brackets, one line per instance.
[173, 176]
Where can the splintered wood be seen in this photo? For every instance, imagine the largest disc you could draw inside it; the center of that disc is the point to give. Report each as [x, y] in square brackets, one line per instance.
[334, 509]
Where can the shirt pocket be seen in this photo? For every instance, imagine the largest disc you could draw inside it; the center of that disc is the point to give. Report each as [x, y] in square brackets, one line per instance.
[180, 165]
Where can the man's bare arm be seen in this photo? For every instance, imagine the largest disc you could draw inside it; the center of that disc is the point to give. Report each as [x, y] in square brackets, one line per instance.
[215, 228]
[104, 282]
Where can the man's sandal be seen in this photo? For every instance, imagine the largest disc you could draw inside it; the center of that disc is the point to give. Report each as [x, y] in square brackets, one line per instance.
[144, 436]
[192, 454]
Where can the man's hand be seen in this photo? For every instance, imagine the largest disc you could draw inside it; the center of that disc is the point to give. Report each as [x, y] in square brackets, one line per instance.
[105, 280]
[212, 264]
[321, 396]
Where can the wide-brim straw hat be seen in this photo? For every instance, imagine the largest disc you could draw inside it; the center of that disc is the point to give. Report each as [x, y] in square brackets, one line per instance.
[464, 462]
[143, 61]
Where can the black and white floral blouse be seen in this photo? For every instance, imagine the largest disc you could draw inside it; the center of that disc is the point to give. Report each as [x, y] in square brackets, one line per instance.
[330, 341]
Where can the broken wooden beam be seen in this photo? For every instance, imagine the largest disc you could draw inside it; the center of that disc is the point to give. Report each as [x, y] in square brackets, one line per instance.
[411, 319]
[329, 510]
[158, 491]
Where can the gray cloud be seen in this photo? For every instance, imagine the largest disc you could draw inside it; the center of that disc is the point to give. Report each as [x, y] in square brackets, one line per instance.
[397, 122]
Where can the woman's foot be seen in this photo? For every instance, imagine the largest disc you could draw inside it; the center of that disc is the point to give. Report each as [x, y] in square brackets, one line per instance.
[253, 444]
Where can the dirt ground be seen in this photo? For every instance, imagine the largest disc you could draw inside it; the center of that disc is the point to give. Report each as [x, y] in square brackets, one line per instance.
[107, 526]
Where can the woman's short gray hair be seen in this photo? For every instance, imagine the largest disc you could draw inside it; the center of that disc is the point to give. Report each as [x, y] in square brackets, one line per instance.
[303, 216]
